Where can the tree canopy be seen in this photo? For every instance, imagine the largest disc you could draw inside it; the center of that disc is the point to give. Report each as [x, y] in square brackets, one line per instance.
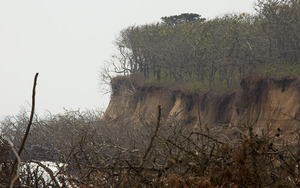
[182, 18]
[219, 51]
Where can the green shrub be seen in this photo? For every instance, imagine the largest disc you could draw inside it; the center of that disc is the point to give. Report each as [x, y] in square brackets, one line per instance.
[280, 70]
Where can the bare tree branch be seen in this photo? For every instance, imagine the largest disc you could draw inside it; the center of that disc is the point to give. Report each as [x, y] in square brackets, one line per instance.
[28, 127]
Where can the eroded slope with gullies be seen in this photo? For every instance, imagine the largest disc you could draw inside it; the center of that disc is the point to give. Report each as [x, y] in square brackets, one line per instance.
[264, 103]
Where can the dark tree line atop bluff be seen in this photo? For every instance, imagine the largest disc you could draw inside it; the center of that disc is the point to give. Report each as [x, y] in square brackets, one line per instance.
[219, 51]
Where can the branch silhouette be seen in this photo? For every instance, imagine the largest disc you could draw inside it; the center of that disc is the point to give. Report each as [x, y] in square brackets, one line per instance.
[27, 131]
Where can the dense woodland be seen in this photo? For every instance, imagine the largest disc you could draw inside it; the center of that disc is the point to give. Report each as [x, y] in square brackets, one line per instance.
[185, 48]
[213, 52]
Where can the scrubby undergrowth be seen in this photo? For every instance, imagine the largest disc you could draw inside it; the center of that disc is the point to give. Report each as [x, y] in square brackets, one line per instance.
[150, 155]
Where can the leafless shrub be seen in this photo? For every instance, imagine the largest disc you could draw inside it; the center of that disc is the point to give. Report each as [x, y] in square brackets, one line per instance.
[93, 153]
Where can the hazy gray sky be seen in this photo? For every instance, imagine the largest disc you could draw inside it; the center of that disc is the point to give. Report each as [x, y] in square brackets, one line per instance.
[67, 41]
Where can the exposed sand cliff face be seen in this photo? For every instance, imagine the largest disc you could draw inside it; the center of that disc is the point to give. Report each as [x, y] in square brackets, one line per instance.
[264, 103]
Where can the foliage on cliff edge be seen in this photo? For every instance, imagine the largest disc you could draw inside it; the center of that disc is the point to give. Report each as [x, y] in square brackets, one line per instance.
[207, 54]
